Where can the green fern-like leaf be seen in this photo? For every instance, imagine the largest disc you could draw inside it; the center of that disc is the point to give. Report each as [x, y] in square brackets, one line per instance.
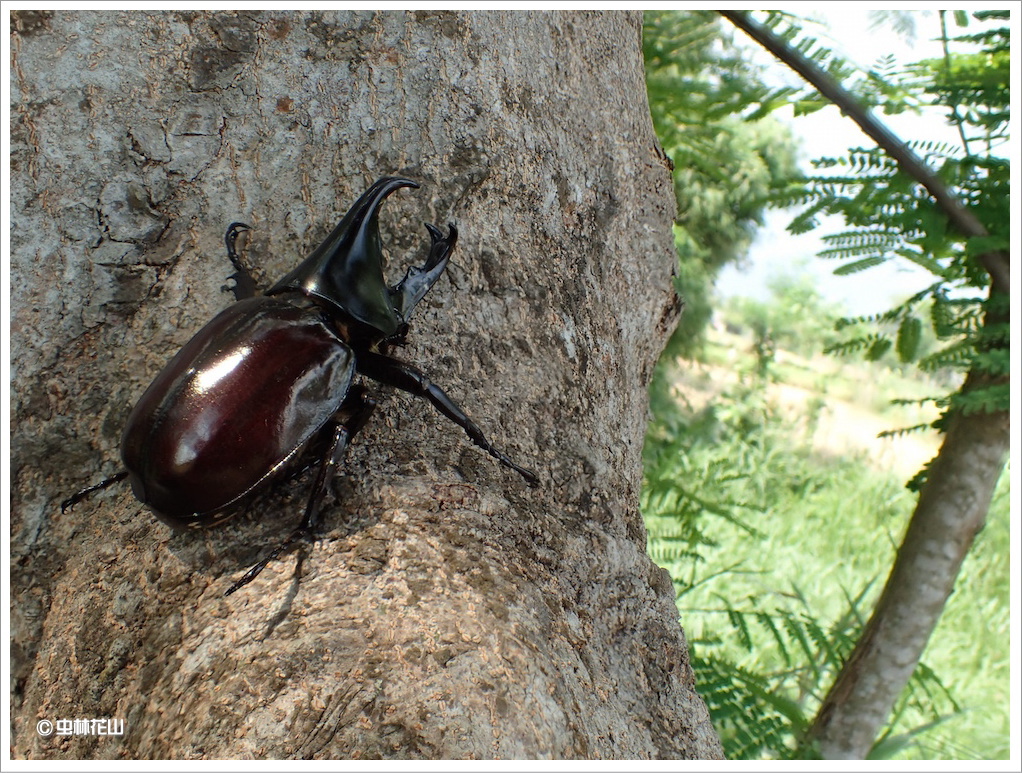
[766, 620]
[845, 348]
[992, 399]
[956, 356]
[925, 261]
[910, 333]
[880, 346]
[902, 431]
[858, 265]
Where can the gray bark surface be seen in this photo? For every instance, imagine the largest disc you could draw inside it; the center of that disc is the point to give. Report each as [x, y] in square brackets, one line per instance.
[448, 611]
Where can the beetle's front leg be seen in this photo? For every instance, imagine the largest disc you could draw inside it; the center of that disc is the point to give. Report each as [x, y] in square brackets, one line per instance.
[400, 338]
[398, 374]
[355, 413]
[244, 283]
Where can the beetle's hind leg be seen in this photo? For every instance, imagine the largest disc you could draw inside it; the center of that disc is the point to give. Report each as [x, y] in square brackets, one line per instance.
[77, 497]
[388, 370]
[356, 410]
[244, 283]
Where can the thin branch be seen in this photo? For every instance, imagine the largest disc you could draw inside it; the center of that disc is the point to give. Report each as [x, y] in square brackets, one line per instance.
[995, 263]
[947, 68]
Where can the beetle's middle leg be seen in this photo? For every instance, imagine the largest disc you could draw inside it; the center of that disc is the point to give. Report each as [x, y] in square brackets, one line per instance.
[355, 412]
[399, 374]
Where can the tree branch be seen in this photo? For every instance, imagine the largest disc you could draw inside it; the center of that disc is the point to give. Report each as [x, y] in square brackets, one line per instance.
[947, 68]
[994, 263]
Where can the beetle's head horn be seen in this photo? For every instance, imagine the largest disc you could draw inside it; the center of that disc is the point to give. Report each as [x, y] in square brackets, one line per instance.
[347, 268]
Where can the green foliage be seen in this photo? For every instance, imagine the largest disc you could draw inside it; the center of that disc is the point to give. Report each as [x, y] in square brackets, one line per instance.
[710, 109]
[691, 473]
[737, 503]
[892, 217]
[739, 506]
[973, 86]
[878, 88]
[764, 712]
[910, 333]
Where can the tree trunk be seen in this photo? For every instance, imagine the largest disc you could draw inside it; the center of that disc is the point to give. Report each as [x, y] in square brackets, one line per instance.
[952, 509]
[448, 611]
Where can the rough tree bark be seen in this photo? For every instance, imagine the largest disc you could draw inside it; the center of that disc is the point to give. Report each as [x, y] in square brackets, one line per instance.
[448, 611]
[953, 503]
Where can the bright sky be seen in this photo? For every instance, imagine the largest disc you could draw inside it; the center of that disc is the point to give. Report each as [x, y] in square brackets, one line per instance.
[828, 133]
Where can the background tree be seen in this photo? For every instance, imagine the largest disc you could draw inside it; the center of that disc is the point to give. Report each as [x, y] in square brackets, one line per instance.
[742, 502]
[447, 612]
[954, 222]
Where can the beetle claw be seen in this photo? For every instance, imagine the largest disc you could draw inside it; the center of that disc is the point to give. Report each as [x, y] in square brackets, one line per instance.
[244, 283]
[299, 534]
[74, 499]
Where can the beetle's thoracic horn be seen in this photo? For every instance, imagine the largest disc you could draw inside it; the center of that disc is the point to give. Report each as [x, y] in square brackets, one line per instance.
[346, 270]
[407, 293]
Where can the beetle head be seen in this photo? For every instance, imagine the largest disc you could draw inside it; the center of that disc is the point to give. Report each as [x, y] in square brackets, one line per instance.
[346, 270]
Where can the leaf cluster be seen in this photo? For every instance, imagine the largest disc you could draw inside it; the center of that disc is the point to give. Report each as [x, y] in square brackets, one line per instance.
[891, 217]
[878, 88]
[707, 465]
[763, 711]
[762, 663]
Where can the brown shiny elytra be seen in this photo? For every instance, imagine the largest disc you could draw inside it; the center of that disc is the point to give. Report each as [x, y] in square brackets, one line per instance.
[268, 385]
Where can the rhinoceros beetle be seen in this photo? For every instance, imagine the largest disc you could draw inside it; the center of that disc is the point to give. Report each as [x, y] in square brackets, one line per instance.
[267, 387]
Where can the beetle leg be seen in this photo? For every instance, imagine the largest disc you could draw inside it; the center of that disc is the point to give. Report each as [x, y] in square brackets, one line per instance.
[400, 338]
[407, 293]
[398, 374]
[74, 499]
[344, 431]
[244, 283]
[356, 410]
